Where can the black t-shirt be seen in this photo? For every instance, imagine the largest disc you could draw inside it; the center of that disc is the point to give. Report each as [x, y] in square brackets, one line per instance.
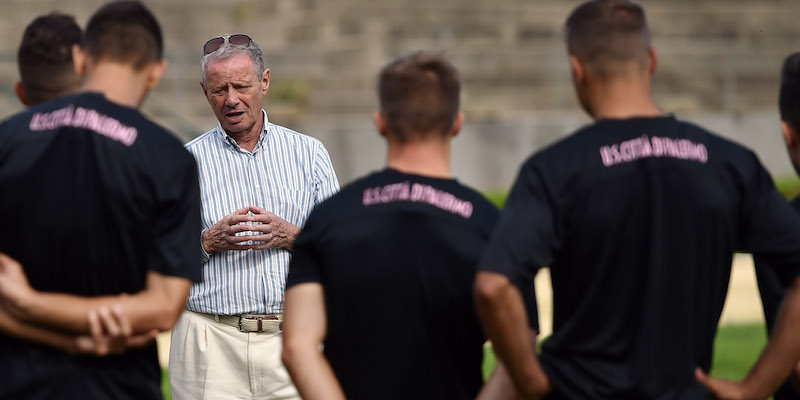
[92, 196]
[638, 220]
[772, 290]
[397, 256]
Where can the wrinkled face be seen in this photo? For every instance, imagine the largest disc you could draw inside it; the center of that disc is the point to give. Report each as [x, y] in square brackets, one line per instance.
[236, 93]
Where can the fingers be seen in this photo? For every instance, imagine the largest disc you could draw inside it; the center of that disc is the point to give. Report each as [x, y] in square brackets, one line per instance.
[96, 344]
[702, 377]
[126, 329]
[9, 265]
[4, 260]
[261, 238]
[237, 219]
[259, 210]
[95, 328]
[232, 230]
[110, 325]
[241, 211]
[263, 228]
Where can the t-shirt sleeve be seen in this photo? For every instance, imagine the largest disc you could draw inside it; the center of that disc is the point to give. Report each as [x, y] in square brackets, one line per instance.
[325, 181]
[176, 249]
[525, 238]
[304, 267]
[770, 228]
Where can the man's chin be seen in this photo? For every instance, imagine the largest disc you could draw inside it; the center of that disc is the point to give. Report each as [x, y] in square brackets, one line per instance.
[234, 128]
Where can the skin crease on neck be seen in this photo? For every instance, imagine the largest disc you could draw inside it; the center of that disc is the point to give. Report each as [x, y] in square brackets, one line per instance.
[236, 95]
[626, 95]
[119, 83]
[427, 157]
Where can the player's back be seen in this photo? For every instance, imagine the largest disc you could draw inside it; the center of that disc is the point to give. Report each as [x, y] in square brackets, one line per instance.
[397, 256]
[646, 214]
[84, 188]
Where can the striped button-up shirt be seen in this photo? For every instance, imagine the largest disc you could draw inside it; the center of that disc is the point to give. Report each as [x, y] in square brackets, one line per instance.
[287, 174]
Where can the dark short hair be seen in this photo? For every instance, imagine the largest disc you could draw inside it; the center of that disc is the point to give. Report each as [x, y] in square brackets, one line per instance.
[44, 57]
[419, 94]
[125, 32]
[789, 98]
[606, 33]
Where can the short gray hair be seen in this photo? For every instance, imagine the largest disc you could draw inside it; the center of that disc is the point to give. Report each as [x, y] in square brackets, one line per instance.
[228, 50]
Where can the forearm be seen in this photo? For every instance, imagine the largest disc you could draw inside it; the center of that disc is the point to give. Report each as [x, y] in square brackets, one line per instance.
[782, 352]
[500, 385]
[502, 312]
[312, 374]
[22, 330]
[156, 307]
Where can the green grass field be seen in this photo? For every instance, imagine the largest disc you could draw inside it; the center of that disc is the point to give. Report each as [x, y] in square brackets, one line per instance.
[736, 348]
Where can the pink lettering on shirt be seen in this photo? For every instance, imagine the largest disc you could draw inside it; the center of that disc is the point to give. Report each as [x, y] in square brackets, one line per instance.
[645, 147]
[84, 118]
[418, 193]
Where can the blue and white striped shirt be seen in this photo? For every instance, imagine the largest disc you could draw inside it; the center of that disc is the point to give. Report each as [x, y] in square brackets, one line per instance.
[287, 174]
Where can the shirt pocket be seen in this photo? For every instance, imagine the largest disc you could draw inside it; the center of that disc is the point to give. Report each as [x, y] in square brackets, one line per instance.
[293, 205]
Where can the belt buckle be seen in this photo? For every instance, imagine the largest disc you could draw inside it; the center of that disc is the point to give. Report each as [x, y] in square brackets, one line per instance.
[258, 319]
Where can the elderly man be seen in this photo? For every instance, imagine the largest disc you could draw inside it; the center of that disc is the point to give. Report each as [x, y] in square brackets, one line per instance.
[228, 342]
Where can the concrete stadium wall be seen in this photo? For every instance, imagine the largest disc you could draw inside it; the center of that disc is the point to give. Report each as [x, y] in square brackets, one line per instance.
[719, 63]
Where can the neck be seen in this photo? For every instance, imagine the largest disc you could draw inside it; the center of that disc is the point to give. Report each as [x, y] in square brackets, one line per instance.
[120, 83]
[249, 139]
[420, 157]
[622, 99]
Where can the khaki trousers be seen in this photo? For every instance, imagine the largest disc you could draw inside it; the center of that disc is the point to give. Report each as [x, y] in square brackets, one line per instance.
[210, 360]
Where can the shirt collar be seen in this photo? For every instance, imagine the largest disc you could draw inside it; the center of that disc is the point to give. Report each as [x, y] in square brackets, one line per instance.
[224, 137]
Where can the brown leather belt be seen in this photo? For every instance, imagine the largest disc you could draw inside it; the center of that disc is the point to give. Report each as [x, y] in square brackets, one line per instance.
[258, 323]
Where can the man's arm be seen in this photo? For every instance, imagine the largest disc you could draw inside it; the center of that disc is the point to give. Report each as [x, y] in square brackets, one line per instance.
[325, 182]
[500, 385]
[110, 333]
[304, 329]
[156, 307]
[21, 330]
[777, 360]
[502, 312]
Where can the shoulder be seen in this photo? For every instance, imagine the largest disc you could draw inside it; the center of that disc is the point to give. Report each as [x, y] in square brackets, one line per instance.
[484, 213]
[200, 141]
[293, 137]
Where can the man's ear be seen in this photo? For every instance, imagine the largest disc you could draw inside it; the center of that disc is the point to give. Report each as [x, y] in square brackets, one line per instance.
[79, 60]
[457, 124]
[265, 82]
[653, 61]
[155, 72]
[578, 70]
[789, 135]
[380, 123]
[205, 92]
[20, 91]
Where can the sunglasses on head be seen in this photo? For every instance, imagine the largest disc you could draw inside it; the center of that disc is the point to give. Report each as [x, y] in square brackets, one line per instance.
[238, 39]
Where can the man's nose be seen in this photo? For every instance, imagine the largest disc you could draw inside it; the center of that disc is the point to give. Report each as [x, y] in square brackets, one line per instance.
[231, 98]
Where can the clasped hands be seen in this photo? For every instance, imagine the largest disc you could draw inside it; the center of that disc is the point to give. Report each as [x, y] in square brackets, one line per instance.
[266, 229]
[109, 329]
